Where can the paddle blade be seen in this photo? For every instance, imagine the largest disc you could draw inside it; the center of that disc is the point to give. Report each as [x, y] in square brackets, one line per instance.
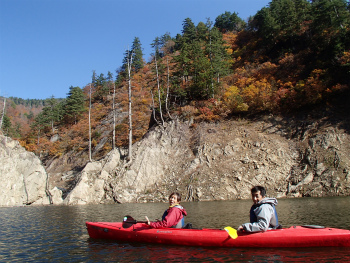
[231, 232]
[129, 221]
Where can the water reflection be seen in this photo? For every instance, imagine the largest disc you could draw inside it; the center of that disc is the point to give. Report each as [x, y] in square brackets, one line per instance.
[111, 251]
[57, 233]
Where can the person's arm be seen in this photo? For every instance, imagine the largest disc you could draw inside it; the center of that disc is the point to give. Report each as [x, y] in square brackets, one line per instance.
[264, 214]
[171, 219]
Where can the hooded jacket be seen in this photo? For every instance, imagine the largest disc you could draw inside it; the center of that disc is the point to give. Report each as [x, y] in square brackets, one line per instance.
[263, 216]
[172, 218]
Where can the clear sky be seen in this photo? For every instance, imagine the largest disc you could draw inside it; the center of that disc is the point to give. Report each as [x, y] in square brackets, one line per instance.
[46, 46]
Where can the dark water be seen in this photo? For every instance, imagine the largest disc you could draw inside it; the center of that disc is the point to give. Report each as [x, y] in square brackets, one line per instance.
[58, 233]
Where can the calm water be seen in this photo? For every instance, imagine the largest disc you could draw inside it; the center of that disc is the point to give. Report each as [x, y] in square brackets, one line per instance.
[58, 233]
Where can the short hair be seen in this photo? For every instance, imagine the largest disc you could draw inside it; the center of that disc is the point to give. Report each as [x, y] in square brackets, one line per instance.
[178, 196]
[258, 188]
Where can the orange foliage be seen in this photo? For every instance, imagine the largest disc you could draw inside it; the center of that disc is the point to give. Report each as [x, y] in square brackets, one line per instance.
[345, 58]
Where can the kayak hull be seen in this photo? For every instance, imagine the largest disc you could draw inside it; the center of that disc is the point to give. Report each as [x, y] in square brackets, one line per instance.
[295, 236]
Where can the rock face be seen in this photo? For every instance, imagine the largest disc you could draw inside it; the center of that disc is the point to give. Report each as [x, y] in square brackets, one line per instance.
[206, 161]
[221, 161]
[90, 188]
[23, 178]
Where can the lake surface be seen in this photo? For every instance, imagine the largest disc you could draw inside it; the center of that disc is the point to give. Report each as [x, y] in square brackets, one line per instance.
[58, 233]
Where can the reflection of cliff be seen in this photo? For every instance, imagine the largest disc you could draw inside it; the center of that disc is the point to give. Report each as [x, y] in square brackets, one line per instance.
[23, 177]
[206, 161]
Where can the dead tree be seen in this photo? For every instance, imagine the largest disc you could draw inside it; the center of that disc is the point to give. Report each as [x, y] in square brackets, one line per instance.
[114, 117]
[90, 159]
[129, 61]
[158, 86]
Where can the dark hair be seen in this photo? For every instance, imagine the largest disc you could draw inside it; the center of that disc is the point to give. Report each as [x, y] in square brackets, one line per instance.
[178, 196]
[258, 188]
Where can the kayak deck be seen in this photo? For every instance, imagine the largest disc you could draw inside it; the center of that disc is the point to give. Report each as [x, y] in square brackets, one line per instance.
[295, 236]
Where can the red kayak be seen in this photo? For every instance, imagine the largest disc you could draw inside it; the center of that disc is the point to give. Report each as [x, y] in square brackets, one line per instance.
[295, 236]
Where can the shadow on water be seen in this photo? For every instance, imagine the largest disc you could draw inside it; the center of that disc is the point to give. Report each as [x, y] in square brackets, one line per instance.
[58, 233]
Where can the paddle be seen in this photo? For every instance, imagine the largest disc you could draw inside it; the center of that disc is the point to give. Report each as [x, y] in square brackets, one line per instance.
[231, 232]
[128, 221]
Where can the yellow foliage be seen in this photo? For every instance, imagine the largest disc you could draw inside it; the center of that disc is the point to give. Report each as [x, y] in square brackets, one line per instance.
[233, 100]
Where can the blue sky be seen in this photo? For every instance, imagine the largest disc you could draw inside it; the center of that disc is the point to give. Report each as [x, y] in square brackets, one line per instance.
[46, 46]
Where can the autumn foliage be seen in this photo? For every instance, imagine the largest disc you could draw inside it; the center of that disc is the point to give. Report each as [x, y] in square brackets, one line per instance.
[290, 55]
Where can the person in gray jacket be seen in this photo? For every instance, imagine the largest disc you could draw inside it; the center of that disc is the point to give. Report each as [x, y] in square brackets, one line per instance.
[263, 215]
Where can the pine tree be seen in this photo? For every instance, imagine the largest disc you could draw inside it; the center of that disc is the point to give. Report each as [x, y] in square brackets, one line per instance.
[6, 125]
[137, 55]
[229, 22]
[74, 105]
[52, 112]
[189, 32]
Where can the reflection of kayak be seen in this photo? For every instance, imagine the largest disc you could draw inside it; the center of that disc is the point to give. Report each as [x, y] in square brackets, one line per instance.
[295, 236]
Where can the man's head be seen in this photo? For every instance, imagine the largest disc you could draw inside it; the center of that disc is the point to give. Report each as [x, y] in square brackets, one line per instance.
[258, 193]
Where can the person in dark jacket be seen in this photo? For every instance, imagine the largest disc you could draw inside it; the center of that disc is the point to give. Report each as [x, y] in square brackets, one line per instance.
[173, 216]
[263, 215]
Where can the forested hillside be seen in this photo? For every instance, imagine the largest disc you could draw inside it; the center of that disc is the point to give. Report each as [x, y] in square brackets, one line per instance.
[290, 56]
[17, 114]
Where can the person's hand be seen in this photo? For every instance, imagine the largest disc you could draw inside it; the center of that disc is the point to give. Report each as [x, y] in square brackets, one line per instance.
[148, 222]
[240, 229]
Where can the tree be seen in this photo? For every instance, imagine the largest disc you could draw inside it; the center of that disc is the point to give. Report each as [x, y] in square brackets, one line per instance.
[39, 124]
[162, 45]
[159, 92]
[229, 22]
[265, 24]
[137, 55]
[189, 32]
[90, 91]
[217, 53]
[330, 31]
[3, 113]
[330, 14]
[52, 111]
[156, 44]
[6, 125]
[100, 86]
[110, 81]
[129, 64]
[74, 106]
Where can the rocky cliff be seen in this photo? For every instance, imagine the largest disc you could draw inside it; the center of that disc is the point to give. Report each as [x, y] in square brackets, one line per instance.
[206, 161]
[221, 161]
[24, 180]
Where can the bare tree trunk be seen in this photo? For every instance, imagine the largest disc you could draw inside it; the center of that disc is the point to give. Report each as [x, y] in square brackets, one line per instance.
[211, 64]
[159, 99]
[52, 127]
[129, 60]
[90, 159]
[38, 137]
[114, 117]
[3, 113]
[153, 108]
[167, 90]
